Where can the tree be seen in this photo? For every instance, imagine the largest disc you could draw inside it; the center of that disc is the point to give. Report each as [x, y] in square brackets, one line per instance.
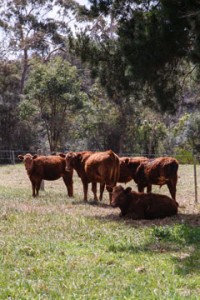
[151, 134]
[9, 87]
[31, 27]
[152, 39]
[103, 56]
[188, 131]
[52, 94]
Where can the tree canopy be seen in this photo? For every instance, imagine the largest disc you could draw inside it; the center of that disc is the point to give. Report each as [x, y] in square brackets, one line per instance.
[52, 92]
[147, 41]
[121, 79]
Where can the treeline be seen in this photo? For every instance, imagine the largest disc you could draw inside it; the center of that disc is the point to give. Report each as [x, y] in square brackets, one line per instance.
[126, 79]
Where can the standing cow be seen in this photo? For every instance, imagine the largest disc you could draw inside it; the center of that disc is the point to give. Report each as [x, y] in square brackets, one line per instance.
[126, 173]
[158, 171]
[102, 167]
[50, 167]
[142, 206]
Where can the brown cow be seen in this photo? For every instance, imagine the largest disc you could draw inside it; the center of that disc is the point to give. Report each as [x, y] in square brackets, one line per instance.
[158, 171]
[102, 167]
[84, 156]
[125, 172]
[142, 206]
[48, 168]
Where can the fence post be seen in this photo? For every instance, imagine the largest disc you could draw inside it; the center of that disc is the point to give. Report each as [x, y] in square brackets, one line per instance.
[39, 152]
[195, 178]
[12, 157]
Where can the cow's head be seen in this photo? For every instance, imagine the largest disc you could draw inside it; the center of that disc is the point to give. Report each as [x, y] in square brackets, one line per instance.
[119, 195]
[134, 163]
[71, 159]
[28, 160]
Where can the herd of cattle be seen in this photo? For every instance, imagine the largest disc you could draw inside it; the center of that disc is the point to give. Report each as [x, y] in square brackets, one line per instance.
[108, 169]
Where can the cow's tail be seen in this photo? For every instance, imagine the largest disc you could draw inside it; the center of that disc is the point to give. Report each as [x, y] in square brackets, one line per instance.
[173, 171]
[174, 167]
[115, 170]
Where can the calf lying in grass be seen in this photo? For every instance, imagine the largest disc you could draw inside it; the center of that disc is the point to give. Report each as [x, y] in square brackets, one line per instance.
[142, 206]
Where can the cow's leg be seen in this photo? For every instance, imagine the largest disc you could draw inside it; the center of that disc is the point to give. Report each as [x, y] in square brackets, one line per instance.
[149, 188]
[69, 185]
[37, 186]
[172, 189]
[140, 188]
[102, 187]
[94, 190]
[33, 188]
[85, 189]
[109, 189]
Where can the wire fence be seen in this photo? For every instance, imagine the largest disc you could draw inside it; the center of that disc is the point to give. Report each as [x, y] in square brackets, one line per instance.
[11, 156]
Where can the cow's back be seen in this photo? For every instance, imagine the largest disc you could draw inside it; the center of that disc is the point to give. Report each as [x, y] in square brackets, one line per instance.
[157, 171]
[102, 167]
[49, 167]
[159, 206]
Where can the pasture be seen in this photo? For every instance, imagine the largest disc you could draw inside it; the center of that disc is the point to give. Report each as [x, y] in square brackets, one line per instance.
[53, 247]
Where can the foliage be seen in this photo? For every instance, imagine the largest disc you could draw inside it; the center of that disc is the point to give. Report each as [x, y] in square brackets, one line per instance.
[183, 156]
[187, 131]
[99, 122]
[151, 41]
[9, 99]
[30, 29]
[151, 134]
[137, 58]
[194, 132]
[53, 89]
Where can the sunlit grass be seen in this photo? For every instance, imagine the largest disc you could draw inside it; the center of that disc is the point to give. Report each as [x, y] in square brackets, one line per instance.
[53, 247]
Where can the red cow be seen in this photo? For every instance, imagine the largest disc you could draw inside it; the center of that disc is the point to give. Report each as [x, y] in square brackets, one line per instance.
[102, 167]
[158, 171]
[125, 172]
[48, 168]
[142, 206]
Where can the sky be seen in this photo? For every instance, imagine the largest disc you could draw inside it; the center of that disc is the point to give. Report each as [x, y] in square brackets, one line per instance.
[83, 2]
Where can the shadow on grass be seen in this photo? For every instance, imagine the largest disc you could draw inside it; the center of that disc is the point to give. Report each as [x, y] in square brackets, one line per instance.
[93, 203]
[192, 219]
[178, 235]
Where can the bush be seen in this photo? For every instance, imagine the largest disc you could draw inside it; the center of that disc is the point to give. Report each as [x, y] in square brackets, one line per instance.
[184, 156]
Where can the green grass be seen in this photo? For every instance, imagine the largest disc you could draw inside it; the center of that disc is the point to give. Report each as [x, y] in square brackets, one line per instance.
[53, 247]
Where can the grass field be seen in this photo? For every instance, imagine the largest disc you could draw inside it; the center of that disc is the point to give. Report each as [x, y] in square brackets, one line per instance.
[53, 247]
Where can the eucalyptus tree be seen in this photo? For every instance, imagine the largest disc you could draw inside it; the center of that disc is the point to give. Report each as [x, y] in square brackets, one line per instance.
[98, 48]
[52, 96]
[34, 27]
[187, 131]
[9, 88]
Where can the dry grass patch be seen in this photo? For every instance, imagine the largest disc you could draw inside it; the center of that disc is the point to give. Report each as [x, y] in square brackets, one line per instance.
[15, 194]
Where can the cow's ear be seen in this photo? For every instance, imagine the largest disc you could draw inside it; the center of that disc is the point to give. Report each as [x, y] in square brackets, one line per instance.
[21, 157]
[79, 156]
[62, 155]
[35, 156]
[127, 160]
[128, 190]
